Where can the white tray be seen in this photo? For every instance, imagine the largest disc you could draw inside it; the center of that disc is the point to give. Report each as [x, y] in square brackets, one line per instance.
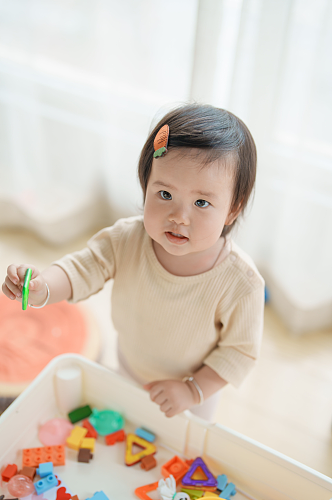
[258, 472]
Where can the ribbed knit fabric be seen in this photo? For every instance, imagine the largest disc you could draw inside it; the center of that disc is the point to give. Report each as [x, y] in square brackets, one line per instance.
[168, 326]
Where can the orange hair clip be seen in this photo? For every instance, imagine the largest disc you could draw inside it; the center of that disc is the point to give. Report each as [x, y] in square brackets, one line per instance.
[161, 141]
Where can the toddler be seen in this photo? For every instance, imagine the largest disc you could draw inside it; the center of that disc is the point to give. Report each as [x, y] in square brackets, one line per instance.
[187, 302]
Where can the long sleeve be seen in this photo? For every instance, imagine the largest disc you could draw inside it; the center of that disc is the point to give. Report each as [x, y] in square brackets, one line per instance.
[241, 330]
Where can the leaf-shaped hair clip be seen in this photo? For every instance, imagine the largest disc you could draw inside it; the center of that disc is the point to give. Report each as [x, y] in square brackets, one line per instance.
[161, 141]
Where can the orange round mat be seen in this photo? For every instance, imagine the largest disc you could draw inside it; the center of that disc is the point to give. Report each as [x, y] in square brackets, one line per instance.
[30, 339]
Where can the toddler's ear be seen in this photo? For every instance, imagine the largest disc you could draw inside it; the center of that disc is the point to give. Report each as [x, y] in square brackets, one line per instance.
[233, 214]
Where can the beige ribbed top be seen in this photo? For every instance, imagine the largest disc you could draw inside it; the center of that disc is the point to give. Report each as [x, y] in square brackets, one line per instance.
[168, 326]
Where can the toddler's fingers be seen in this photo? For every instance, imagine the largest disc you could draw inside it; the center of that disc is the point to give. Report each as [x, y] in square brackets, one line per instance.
[14, 289]
[156, 391]
[160, 399]
[37, 284]
[7, 292]
[22, 269]
[149, 386]
[166, 407]
[12, 273]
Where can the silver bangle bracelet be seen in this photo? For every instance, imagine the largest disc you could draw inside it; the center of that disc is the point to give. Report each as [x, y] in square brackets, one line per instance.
[199, 390]
[47, 299]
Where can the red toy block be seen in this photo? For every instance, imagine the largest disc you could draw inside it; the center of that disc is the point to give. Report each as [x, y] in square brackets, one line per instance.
[92, 433]
[115, 437]
[148, 462]
[176, 467]
[142, 491]
[32, 457]
[190, 461]
[9, 472]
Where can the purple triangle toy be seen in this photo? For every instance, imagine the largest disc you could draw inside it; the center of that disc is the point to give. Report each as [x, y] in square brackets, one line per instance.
[209, 482]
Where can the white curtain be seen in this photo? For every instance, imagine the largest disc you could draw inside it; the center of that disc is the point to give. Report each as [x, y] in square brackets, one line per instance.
[271, 65]
[81, 82]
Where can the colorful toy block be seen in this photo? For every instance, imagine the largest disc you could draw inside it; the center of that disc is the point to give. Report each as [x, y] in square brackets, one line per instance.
[75, 497]
[29, 472]
[148, 463]
[229, 491]
[148, 449]
[143, 433]
[194, 494]
[84, 455]
[115, 437]
[99, 495]
[32, 457]
[45, 469]
[92, 433]
[142, 491]
[9, 472]
[221, 481]
[189, 482]
[45, 484]
[88, 443]
[79, 414]
[76, 437]
[176, 467]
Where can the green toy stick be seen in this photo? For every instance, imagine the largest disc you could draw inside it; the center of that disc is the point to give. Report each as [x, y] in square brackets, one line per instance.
[25, 289]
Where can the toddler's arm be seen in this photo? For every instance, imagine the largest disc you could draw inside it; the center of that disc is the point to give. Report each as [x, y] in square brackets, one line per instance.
[174, 396]
[56, 279]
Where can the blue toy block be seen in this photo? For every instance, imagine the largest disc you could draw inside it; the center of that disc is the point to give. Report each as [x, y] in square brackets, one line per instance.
[45, 469]
[221, 481]
[228, 491]
[99, 495]
[143, 433]
[45, 484]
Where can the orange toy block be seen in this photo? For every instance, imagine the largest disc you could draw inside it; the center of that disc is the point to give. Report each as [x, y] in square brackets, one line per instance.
[176, 467]
[32, 457]
[92, 433]
[115, 437]
[142, 491]
[9, 472]
[148, 449]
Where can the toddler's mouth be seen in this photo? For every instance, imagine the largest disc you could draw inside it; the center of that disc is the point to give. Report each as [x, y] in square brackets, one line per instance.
[179, 239]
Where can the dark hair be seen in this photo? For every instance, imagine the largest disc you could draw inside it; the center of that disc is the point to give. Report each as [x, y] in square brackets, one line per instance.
[215, 132]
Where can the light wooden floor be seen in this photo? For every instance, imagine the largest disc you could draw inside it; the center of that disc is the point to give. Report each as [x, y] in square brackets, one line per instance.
[285, 403]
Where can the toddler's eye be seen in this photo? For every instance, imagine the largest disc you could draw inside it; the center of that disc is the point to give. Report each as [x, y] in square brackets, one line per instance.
[202, 203]
[165, 195]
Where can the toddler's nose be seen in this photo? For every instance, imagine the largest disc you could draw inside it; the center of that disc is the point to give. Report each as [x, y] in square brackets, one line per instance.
[179, 216]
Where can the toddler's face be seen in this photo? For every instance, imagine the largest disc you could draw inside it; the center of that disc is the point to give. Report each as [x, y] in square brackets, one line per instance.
[187, 206]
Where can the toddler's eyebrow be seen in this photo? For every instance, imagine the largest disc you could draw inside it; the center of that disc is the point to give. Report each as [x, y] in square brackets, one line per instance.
[208, 194]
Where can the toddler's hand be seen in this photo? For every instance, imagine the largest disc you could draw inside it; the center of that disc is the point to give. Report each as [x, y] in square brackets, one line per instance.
[173, 396]
[13, 284]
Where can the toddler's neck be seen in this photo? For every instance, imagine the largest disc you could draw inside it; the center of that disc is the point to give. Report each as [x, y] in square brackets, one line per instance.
[193, 263]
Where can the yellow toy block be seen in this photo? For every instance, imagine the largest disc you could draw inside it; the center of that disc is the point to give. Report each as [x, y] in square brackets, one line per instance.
[148, 449]
[88, 443]
[76, 437]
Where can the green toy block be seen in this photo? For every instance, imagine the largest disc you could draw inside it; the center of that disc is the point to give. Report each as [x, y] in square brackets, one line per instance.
[79, 414]
[194, 494]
